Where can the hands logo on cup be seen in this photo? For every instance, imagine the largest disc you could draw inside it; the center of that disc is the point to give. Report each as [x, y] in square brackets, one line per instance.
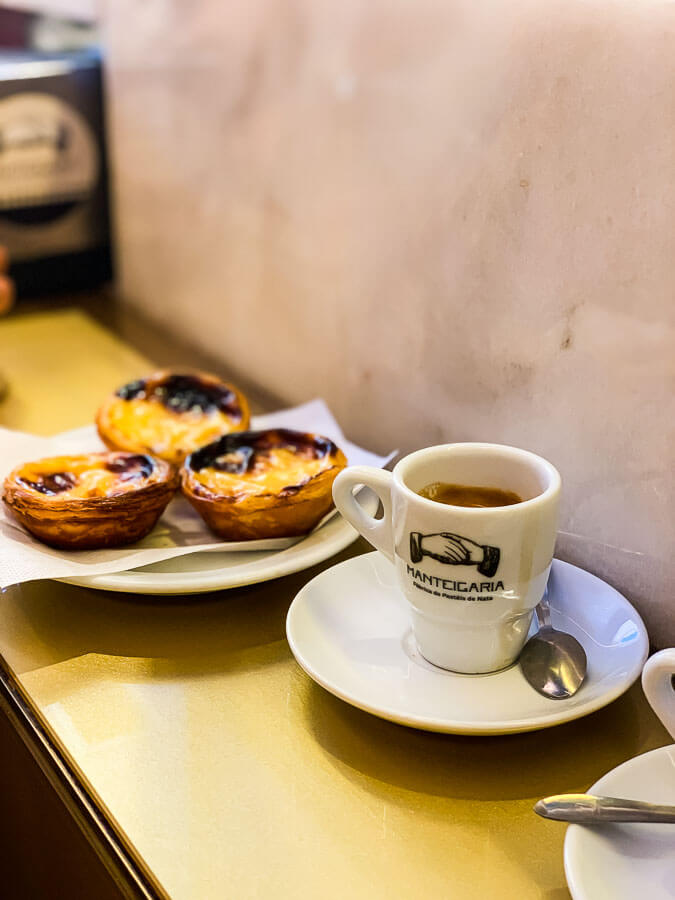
[454, 550]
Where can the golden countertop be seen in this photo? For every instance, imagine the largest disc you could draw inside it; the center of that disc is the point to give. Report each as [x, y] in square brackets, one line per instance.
[230, 772]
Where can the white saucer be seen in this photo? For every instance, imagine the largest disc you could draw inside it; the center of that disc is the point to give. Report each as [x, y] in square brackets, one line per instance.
[197, 573]
[349, 629]
[625, 862]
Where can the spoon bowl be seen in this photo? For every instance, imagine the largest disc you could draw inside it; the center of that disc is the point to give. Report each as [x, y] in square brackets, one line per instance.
[553, 662]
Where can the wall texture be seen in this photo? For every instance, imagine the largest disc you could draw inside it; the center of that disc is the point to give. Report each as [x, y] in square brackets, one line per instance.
[453, 220]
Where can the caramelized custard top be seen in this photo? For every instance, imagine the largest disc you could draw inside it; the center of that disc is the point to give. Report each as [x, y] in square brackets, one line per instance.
[278, 461]
[170, 414]
[87, 475]
[184, 394]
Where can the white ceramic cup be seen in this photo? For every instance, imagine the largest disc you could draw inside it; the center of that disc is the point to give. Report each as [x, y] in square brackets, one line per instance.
[657, 684]
[472, 576]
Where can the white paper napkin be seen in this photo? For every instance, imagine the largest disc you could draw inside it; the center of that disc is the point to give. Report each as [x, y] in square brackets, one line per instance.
[180, 529]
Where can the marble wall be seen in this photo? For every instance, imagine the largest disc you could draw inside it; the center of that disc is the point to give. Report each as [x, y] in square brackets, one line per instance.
[453, 220]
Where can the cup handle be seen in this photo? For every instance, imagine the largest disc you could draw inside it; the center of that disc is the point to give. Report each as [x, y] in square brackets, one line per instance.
[657, 684]
[377, 531]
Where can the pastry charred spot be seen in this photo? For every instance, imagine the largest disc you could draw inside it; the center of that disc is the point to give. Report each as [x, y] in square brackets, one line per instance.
[188, 393]
[134, 390]
[236, 462]
[54, 483]
[185, 393]
[303, 444]
[291, 489]
[238, 453]
[228, 454]
[133, 466]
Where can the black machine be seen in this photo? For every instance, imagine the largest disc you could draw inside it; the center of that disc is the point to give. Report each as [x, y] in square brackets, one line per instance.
[53, 171]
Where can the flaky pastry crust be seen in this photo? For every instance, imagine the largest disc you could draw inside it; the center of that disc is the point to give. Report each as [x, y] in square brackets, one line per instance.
[169, 414]
[92, 500]
[262, 484]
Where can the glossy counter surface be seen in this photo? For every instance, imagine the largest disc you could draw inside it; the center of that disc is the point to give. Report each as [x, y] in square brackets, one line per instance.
[228, 770]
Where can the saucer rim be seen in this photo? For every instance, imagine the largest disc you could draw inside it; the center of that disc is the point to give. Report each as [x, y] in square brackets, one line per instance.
[575, 833]
[565, 710]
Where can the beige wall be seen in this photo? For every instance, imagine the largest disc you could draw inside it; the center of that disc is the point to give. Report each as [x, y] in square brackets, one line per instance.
[452, 220]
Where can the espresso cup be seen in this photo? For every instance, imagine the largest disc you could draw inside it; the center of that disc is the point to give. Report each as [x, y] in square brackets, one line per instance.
[472, 576]
[657, 683]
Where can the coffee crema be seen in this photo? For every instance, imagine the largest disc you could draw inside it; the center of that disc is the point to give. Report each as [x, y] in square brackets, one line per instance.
[472, 495]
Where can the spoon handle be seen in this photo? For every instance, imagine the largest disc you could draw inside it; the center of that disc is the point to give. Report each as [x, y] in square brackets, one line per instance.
[543, 609]
[587, 809]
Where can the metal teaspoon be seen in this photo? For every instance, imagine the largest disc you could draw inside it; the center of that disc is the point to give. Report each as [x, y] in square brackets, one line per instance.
[552, 662]
[586, 809]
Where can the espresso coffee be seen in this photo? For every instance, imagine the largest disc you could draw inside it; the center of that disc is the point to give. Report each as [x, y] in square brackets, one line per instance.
[468, 495]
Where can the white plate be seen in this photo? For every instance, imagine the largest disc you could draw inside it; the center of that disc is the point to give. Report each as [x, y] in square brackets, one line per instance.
[349, 629]
[197, 573]
[627, 862]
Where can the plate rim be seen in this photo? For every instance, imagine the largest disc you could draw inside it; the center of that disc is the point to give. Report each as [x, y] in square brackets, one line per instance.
[336, 534]
[574, 833]
[469, 727]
